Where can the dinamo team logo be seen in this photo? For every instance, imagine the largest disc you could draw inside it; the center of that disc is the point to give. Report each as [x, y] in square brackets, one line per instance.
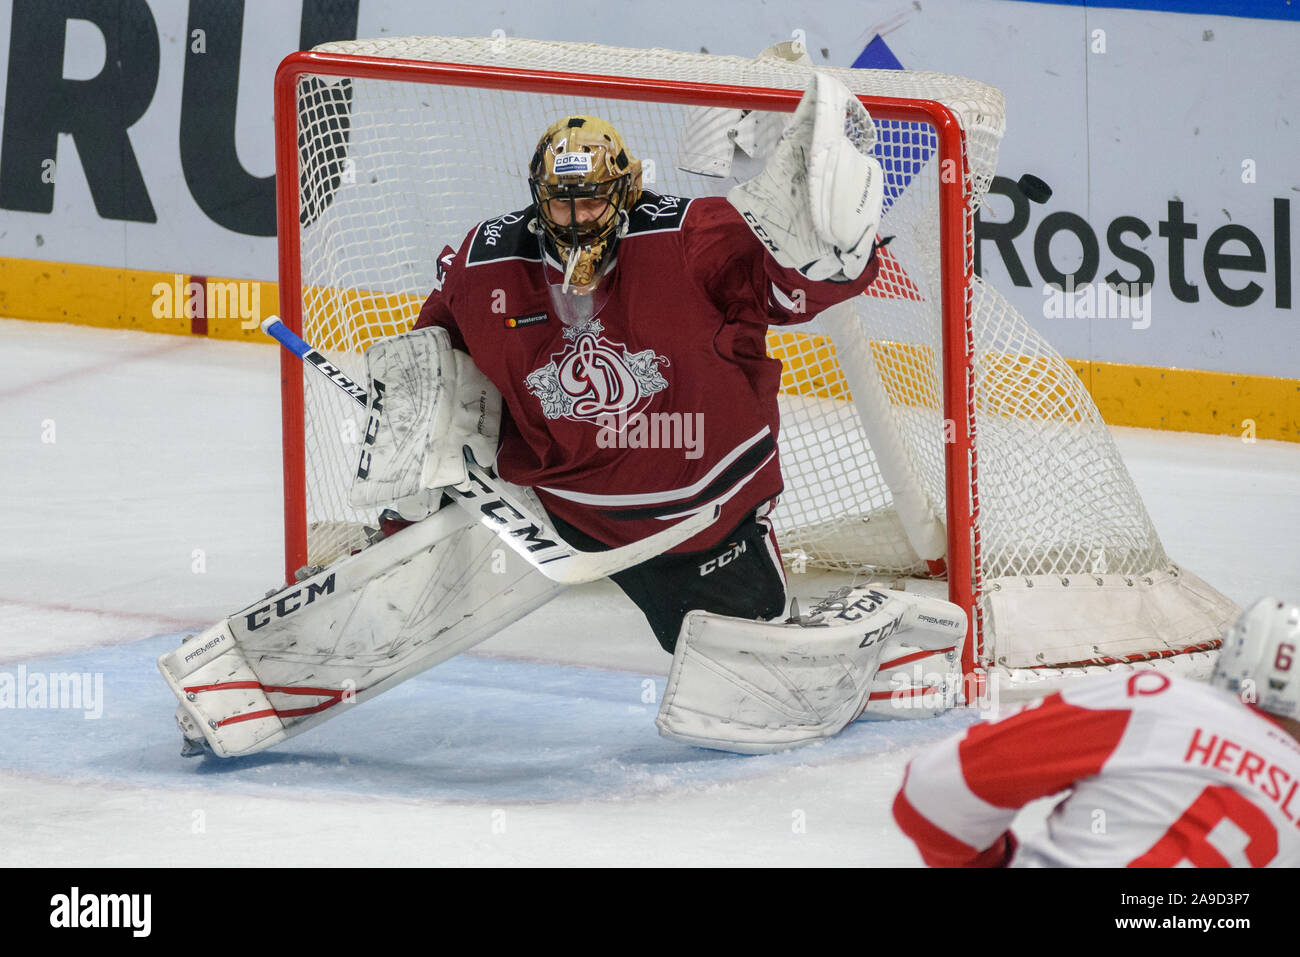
[594, 377]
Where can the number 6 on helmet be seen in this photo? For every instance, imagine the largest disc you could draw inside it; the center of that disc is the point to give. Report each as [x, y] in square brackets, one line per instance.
[1257, 660]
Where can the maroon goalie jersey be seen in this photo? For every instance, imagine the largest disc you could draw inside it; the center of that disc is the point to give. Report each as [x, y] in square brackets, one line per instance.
[665, 399]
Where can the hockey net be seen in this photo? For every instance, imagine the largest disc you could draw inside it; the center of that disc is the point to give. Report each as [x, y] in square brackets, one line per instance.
[926, 427]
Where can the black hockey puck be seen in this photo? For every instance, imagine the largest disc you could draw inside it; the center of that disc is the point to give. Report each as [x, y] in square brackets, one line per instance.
[1035, 190]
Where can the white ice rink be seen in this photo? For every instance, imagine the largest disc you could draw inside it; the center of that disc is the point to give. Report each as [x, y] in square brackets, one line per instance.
[141, 500]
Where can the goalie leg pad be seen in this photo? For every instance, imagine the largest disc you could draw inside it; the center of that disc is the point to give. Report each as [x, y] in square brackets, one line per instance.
[220, 694]
[756, 687]
[351, 632]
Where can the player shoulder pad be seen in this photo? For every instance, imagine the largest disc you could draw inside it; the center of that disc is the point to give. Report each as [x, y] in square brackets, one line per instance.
[657, 212]
[505, 237]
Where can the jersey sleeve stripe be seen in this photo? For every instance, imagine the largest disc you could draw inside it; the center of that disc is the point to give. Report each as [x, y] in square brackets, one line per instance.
[1039, 751]
[939, 848]
[936, 789]
[783, 301]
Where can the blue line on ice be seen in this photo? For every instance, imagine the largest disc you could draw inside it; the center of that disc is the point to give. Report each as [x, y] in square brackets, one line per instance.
[472, 729]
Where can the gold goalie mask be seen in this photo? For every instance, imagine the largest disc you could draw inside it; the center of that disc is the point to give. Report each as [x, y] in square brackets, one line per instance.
[584, 182]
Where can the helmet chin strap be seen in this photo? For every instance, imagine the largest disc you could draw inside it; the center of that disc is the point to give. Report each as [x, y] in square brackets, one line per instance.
[575, 251]
[569, 267]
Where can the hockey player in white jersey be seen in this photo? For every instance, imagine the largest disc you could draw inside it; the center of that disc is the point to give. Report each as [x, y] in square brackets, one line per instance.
[1158, 771]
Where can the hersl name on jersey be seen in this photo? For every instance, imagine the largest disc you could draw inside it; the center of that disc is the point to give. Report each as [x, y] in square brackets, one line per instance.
[594, 378]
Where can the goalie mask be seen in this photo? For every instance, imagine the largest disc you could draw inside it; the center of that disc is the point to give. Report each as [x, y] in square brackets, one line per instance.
[1257, 661]
[584, 182]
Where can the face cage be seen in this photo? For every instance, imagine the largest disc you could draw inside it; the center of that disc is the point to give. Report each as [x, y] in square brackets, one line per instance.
[575, 234]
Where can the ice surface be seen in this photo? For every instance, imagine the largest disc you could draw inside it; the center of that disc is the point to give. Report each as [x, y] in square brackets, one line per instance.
[155, 510]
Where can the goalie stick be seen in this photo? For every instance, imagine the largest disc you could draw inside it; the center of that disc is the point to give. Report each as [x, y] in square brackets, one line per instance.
[505, 514]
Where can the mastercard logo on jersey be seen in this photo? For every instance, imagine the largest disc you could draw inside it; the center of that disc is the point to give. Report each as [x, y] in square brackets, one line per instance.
[519, 322]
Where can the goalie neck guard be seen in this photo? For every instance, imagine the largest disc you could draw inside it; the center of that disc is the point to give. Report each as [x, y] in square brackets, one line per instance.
[584, 182]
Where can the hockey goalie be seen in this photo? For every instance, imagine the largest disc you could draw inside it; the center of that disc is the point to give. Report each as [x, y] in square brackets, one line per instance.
[629, 313]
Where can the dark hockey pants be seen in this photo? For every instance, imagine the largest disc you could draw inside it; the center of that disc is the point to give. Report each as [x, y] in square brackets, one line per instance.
[741, 576]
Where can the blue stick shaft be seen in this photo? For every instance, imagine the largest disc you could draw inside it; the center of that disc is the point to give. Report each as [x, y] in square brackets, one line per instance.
[274, 327]
[282, 334]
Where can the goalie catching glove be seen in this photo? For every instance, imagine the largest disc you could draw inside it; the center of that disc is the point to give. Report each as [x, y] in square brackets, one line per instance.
[428, 403]
[817, 204]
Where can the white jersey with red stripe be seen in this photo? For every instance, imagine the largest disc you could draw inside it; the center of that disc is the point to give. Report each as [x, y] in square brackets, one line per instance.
[1158, 772]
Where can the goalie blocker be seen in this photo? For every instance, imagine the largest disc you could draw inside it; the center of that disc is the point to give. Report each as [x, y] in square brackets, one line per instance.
[428, 403]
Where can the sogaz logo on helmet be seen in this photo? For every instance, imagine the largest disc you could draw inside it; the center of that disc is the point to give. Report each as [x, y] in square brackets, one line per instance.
[572, 163]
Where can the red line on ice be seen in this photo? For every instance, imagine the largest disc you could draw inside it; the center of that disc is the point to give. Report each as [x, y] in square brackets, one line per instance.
[94, 367]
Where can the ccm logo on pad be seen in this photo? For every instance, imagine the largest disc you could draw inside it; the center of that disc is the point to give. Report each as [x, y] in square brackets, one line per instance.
[288, 604]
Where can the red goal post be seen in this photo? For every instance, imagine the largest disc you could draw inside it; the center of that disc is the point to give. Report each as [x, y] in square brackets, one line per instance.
[978, 366]
[954, 224]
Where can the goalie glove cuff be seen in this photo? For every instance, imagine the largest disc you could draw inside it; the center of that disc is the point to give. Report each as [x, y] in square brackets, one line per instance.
[845, 184]
[816, 205]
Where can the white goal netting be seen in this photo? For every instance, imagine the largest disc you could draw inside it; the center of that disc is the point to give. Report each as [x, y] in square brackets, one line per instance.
[393, 168]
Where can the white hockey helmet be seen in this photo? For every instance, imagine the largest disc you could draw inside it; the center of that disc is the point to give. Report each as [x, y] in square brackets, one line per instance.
[1258, 659]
